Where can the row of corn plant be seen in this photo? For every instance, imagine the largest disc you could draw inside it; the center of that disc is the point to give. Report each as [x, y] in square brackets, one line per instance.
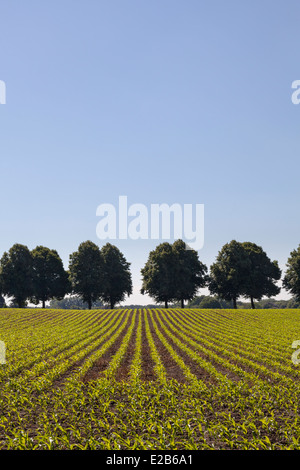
[237, 334]
[179, 361]
[158, 367]
[223, 355]
[136, 364]
[72, 348]
[107, 340]
[231, 344]
[157, 414]
[28, 348]
[206, 365]
[117, 358]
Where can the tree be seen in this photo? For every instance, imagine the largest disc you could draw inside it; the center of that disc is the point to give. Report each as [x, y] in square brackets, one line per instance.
[209, 302]
[196, 301]
[291, 280]
[117, 275]
[16, 274]
[86, 268]
[159, 274]
[49, 276]
[173, 273]
[189, 272]
[261, 274]
[229, 272]
[293, 303]
[73, 302]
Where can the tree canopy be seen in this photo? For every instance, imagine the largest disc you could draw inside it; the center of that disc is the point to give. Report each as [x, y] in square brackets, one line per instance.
[16, 269]
[262, 273]
[173, 273]
[291, 280]
[49, 276]
[117, 275]
[229, 272]
[159, 274]
[86, 268]
[243, 269]
[190, 272]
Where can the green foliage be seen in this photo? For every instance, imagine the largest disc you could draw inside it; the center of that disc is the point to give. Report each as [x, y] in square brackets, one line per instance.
[73, 302]
[261, 274]
[293, 303]
[86, 269]
[228, 274]
[117, 275]
[189, 272]
[49, 277]
[2, 302]
[203, 300]
[291, 279]
[159, 274]
[16, 274]
[173, 273]
[209, 302]
[243, 269]
[235, 386]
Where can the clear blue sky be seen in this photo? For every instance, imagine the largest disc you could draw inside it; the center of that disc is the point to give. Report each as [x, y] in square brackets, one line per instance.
[162, 101]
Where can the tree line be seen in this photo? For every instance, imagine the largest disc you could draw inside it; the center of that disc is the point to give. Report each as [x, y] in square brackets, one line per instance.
[173, 273]
[215, 302]
[39, 275]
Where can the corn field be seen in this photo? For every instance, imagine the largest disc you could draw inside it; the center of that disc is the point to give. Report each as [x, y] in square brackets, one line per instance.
[159, 379]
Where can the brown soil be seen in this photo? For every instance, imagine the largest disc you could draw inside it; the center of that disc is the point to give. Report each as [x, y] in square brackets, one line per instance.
[122, 372]
[63, 377]
[148, 372]
[101, 364]
[194, 367]
[173, 370]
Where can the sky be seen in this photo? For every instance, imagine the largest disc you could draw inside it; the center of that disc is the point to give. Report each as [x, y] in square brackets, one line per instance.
[185, 102]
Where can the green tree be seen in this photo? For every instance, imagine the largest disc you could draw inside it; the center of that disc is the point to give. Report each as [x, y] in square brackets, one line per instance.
[86, 268]
[173, 273]
[195, 302]
[229, 272]
[291, 280]
[293, 303]
[159, 274]
[73, 302]
[189, 272]
[16, 274]
[262, 274]
[117, 275]
[209, 302]
[49, 276]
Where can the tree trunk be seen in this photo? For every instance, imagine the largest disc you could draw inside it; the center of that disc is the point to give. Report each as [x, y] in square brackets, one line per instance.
[166, 304]
[234, 303]
[182, 303]
[112, 304]
[252, 302]
[89, 304]
[43, 303]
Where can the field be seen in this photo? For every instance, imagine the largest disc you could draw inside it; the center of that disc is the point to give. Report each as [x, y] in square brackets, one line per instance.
[161, 379]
